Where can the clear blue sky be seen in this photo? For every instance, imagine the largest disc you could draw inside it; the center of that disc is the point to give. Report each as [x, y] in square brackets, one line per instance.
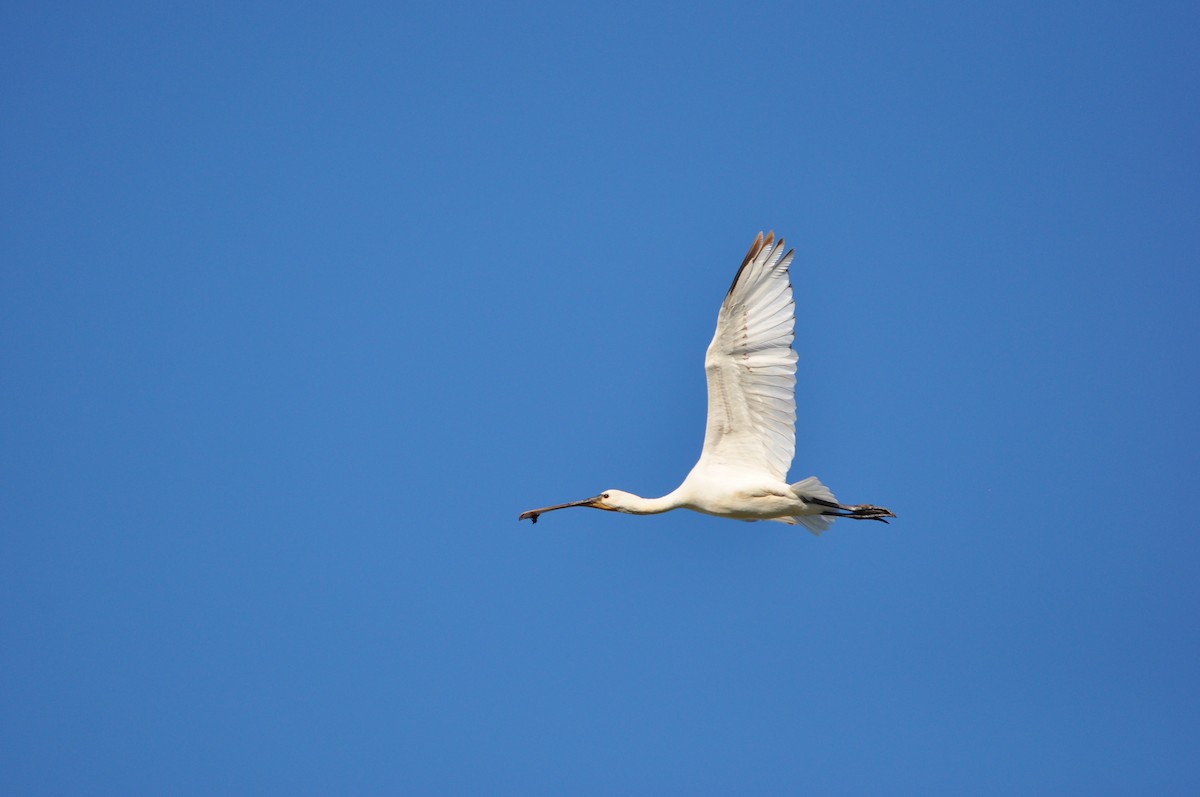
[300, 306]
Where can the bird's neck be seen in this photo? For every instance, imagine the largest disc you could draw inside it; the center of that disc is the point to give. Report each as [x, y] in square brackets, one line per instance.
[653, 506]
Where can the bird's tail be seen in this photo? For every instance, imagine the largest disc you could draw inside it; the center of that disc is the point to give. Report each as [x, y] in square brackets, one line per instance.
[811, 491]
[812, 488]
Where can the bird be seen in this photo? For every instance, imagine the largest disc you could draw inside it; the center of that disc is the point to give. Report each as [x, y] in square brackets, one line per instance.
[749, 437]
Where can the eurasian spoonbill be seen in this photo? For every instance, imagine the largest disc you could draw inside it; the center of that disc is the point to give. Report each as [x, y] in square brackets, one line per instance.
[750, 437]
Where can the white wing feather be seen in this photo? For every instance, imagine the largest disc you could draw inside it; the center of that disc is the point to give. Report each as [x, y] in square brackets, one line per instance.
[751, 368]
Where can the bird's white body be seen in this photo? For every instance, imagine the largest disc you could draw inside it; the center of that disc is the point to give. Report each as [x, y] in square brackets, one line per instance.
[733, 493]
[749, 439]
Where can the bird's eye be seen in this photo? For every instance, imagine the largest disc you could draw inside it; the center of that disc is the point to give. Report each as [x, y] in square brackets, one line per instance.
[604, 496]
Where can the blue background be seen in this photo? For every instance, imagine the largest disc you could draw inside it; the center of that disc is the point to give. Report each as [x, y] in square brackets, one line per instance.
[301, 305]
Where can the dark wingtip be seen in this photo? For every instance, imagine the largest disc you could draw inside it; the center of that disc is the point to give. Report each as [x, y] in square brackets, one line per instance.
[755, 248]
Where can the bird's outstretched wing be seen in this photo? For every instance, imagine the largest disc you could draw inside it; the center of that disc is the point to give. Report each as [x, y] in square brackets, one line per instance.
[751, 368]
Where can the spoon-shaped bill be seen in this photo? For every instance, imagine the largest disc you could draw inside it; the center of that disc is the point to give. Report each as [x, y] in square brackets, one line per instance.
[532, 514]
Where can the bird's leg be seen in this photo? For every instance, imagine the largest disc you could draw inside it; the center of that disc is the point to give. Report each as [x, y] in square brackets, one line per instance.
[855, 512]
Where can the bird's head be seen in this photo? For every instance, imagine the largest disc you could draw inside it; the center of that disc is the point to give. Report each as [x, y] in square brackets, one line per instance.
[609, 500]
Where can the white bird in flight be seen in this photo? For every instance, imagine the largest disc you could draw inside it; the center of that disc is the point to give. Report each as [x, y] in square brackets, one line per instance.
[750, 437]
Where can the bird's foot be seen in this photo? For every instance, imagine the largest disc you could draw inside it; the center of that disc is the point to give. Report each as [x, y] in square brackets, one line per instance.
[868, 512]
